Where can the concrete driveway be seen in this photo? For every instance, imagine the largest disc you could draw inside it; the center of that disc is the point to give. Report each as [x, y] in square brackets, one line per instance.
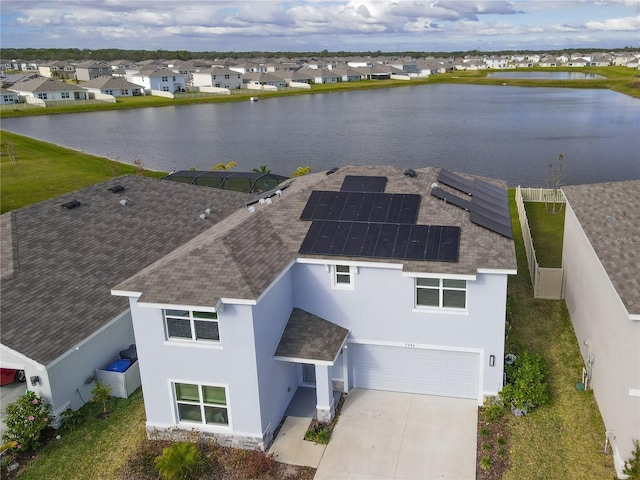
[384, 435]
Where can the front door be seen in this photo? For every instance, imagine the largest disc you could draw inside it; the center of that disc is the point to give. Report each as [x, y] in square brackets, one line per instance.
[309, 373]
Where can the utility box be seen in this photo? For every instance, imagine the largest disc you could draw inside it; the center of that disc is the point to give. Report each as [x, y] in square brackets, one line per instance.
[122, 379]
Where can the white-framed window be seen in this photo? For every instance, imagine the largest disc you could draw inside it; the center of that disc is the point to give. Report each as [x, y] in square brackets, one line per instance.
[164, 79]
[64, 94]
[204, 404]
[42, 96]
[191, 325]
[441, 293]
[165, 89]
[343, 276]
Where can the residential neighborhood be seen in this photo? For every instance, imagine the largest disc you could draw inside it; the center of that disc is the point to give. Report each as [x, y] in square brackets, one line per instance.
[76, 81]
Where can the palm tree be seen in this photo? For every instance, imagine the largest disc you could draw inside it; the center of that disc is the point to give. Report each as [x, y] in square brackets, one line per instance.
[300, 171]
[224, 166]
[261, 169]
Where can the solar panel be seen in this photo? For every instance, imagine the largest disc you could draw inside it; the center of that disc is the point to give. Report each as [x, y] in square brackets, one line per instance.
[363, 183]
[491, 214]
[383, 240]
[361, 207]
[490, 224]
[456, 181]
[451, 198]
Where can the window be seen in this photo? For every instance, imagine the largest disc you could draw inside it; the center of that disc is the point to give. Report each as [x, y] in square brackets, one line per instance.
[165, 89]
[201, 404]
[189, 325]
[164, 79]
[441, 293]
[343, 277]
[64, 94]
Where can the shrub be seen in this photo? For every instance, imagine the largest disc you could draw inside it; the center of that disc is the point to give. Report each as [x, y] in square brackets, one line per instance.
[486, 463]
[527, 388]
[177, 460]
[101, 393]
[70, 420]
[493, 409]
[632, 468]
[26, 419]
[318, 434]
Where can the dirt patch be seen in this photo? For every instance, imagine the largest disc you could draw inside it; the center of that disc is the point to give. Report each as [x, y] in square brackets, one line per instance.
[492, 456]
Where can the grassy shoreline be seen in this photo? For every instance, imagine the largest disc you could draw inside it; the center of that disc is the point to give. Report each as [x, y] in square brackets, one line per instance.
[619, 79]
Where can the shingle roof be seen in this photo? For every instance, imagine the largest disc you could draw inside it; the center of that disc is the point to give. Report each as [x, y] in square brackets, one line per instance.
[107, 81]
[310, 337]
[58, 265]
[245, 253]
[43, 84]
[609, 214]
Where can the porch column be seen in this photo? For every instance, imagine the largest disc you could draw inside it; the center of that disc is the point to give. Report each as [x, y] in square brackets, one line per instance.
[325, 408]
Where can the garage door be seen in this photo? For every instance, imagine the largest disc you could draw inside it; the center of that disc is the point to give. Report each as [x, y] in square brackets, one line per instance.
[415, 370]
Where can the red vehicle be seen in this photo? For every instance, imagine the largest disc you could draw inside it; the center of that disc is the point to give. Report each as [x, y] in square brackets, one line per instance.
[10, 375]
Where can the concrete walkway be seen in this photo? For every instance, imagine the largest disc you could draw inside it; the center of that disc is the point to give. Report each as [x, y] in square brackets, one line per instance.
[291, 447]
[388, 435]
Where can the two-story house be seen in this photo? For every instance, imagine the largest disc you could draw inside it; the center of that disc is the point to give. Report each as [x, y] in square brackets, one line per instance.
[162, 80]
[217, 77]
[359, 277]
[89, 70]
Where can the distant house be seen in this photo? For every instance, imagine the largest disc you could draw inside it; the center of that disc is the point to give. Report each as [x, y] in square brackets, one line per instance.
[217, 77]
[89, 70]
[297, 76]
[496, 62]
[7, 96]
[162, 80]
[115, 86]
[601, 260]
[548, 61]
[321, 76]
[47, 89]
[347, 74]
[578, 62]
[57, 69]
[263, 79]
[59, 321]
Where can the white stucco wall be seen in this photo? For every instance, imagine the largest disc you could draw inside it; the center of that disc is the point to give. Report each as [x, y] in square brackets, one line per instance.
[381, 308]
[232, 364]
[599, 317]
[277, 379]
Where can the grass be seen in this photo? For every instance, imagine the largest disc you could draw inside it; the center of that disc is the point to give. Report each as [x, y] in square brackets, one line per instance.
[97, 449]
[619, 79]
[547, 231]
[44, 171]
[566, 438]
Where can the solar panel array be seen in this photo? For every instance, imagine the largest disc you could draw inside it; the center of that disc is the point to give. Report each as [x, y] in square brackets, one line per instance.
[362, 221]
[362, 207]
[383, 240]
[363, 183]
[488, 204]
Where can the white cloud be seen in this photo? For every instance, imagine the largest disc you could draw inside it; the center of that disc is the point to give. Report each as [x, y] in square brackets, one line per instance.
[616, 24]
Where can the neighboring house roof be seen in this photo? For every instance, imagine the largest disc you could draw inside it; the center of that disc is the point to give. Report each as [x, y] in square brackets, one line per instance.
[44, 84]
[609, 214]
[109, 82]
[58, 264]
[242, 256]
[309, 337]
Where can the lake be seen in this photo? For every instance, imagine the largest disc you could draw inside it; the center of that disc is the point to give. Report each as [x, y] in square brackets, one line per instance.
[512, 133]
[547, 75]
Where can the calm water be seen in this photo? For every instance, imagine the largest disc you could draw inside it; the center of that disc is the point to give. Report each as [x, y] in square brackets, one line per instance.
[504, 132]
[547, 75]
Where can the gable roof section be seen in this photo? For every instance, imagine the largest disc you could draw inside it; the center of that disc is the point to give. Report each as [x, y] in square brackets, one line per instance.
[309, 337]
[44, 84]
[58, 264]
[107, 81]
[609, 214]
[245, 253]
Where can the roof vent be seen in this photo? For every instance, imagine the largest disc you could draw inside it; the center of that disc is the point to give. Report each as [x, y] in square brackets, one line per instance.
[71, 204]
[410, 172]
[116, 189]
[333, 170]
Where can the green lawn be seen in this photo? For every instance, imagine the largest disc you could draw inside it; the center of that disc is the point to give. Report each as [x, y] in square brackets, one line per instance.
[547, 231]
[98, 449]
[44, 171]
[565, 439]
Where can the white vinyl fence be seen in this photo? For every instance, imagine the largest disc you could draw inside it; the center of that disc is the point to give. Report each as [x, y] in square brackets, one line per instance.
[547, 282]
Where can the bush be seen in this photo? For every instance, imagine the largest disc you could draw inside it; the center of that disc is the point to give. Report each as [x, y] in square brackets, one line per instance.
[70, 420]
[101, 393]
[178, 460]
[486, 463]
[26, 419]
[527, 388]
[632, 468]
[493, 409]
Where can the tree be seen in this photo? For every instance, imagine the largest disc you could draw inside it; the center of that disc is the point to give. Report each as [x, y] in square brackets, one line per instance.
[101, 393]
[300, 171]
[554, 181]
[10, 149]
[261, 169]
[224, 166]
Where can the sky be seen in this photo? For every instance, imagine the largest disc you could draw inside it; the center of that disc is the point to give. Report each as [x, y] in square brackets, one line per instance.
[317, 25]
